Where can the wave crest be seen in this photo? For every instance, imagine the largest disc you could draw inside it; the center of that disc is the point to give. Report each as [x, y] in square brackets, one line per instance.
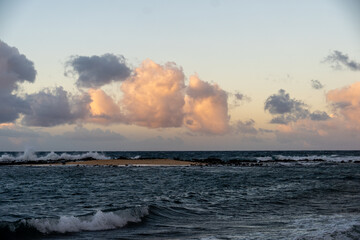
[97, 222]
[30, 155]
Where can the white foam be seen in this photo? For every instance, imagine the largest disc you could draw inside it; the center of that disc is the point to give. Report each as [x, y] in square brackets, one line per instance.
[327, 158]
[31, 155]
[263, 159]
[97, 222]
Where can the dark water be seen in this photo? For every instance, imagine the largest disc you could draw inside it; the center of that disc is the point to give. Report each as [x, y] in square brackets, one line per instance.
[296, 200]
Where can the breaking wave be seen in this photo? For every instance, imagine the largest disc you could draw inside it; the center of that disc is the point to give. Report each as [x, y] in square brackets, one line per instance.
[30, 155]
[97, 222]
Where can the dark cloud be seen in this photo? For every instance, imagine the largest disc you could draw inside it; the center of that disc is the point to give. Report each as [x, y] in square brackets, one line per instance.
[319, 116]
[262, 130]
[246, 127]
[287, 109]
[96, 71]
[11, 106]
[15, 68]
[341, 105]
[316, 84]
[240, 98]
[282, 103]
[55, 107]
[340, 60]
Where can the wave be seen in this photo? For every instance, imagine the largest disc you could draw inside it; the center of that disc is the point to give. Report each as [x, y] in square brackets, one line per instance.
[30, 155]
[311, 158]
[336, 227]
[65, 224]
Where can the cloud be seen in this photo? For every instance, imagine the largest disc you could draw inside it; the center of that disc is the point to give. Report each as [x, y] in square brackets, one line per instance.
[96, 71]
[316, 84]
[154, 96]
[206, 108]
[15, 68]
[246, 127]
[103, 108]
[55, 107]
[340, 60]
[239, 98]
[92, 135]
[11, 106]
[14, 137]
[319, 116]
[288, 110]
[346, 101]
[336, 133]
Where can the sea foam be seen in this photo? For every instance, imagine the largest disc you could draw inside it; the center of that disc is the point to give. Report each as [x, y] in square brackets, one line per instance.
[97, 222]
[30, 155]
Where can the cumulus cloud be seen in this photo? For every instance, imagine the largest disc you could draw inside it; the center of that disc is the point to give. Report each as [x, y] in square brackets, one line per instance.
[346, 101]
[319, 116]
[154, 96]
[96, 71]
[316, 84]
[206, 108]
[288, 110]
[246, 127]
[15, 68]
[55, 107]
[340, 60]
[103, 108]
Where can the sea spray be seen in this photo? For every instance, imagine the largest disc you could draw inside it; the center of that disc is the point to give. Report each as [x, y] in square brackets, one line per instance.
[31, 155]
[97, 222]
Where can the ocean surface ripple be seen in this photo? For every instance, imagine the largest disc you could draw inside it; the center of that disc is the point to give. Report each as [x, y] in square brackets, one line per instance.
[276, 201]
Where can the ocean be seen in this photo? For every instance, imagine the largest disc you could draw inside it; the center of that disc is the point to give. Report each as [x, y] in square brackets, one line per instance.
[275, 195]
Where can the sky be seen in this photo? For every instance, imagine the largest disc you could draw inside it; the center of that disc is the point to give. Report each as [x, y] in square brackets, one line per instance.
[179, 75]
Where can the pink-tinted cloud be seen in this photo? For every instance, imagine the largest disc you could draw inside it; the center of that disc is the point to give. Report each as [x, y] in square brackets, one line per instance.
[154, 96]
[341, 131]
[346, 101]
[206, 108]
[103, 108]
[335, 133]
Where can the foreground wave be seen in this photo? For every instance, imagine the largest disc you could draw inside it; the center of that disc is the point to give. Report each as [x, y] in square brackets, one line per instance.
[70, 224]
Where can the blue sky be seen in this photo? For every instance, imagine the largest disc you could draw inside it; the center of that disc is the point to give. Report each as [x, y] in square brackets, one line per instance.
[250, 48]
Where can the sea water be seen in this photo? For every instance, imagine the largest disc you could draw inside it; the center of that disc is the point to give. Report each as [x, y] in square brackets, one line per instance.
[293, 195]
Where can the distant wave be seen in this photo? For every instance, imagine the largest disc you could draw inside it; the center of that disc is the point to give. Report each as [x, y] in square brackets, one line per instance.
[97, 222]
[30, 155]
[212, 158]
[312, 158]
